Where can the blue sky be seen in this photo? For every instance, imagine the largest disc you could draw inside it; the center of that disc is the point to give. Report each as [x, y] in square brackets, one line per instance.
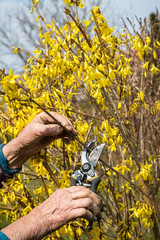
[141, 8]
[121, 8]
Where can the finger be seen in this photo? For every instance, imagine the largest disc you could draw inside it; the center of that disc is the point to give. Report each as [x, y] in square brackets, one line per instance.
[82, 192]
[82, 213]
[55, 131]
[88, 204]
[44, 118]
[76, 188]
[50, 130]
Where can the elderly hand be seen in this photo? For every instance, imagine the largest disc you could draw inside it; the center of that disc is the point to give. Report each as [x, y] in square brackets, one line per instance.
[40, 132]
[67, 204]
[61, 207]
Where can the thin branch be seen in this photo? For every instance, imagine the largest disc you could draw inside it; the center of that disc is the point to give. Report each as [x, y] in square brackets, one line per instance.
[128, 180]
[110, 102]
[27, 93]
[79, 25]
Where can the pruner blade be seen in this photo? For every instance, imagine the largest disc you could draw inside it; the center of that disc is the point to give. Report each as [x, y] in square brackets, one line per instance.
[95, 154]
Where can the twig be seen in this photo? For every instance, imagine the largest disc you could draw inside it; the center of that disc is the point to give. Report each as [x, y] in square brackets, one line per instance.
[64, 155]
[135, 30]
[47, 167]
[88, 40]
[29, 174]
[125, 25]
[48, 113]
[128, 180]
[45, 187]
[86, 115]
[110, 102]
[7, 208]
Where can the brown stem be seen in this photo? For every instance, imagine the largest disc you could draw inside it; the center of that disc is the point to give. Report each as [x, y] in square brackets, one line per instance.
[128, 180]
[47, 167]
[155, 227]
[98, 31]
[64, 156]
[45, 187]
[7, 208]
[43, 108]
[110, 102]
[86, 115]
[27, 194]
[22, 204]
[79, 25]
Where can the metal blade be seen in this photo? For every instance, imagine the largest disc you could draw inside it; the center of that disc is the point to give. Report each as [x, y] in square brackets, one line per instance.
[85, 153]
[95, 154]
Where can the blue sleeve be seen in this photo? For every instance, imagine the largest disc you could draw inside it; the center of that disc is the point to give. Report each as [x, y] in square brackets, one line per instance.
[4, 164]
[3, 236]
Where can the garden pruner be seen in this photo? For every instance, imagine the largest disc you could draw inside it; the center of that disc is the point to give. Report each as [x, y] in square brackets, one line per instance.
[87, 176]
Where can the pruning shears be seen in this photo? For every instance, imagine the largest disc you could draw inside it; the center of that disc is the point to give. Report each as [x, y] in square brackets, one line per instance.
[87, 176]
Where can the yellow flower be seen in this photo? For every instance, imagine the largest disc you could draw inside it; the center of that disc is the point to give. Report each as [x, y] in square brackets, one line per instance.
[154, 69]
[158, 105]
[146, 65]
[86, 22]
[154, 55]
[35, 2]
[15, 50]
[145, 172]
[141, 95]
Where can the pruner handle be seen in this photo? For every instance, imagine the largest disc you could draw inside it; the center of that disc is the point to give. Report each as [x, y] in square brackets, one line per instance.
[94, 184]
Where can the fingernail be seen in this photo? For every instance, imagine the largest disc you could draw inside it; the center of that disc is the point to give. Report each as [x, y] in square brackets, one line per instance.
[59, 129]
[69, 127]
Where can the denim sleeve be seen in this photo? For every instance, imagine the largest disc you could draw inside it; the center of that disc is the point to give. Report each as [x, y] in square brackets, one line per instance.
[3, 236]
[5, 172]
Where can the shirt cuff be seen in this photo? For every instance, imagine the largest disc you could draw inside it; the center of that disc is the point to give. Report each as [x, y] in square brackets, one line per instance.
[3, 236]
[4, 164]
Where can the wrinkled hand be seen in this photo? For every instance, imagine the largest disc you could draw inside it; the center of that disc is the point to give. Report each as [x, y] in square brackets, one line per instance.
[66, 205]
[40, 132]
[61, 207]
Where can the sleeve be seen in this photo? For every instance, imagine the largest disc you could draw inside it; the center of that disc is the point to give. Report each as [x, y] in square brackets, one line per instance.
[5, 172]
[3, 236]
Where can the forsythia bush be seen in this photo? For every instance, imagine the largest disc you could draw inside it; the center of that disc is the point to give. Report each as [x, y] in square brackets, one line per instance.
[108, 85]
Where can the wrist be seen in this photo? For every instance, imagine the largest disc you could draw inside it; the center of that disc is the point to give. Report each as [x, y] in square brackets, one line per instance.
[29, 227]
[4, 165]
[13, 154]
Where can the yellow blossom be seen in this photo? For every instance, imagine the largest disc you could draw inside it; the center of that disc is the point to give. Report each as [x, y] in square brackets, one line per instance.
[15, 50]
[154, 69]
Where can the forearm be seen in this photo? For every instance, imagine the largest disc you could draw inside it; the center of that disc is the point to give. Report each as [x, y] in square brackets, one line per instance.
[29, 227]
